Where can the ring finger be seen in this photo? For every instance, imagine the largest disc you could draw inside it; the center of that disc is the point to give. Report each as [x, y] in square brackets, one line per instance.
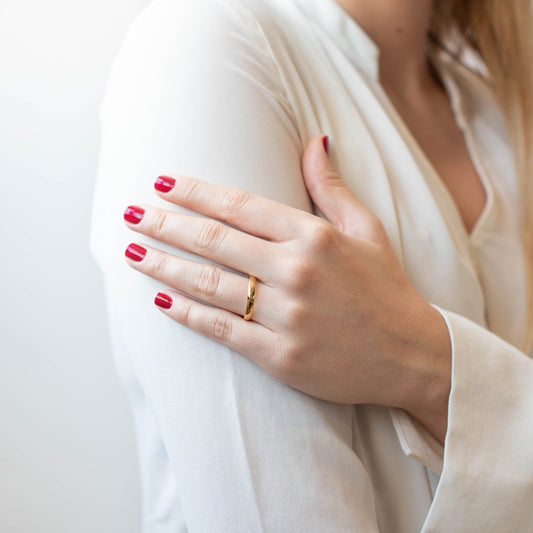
[203, 281]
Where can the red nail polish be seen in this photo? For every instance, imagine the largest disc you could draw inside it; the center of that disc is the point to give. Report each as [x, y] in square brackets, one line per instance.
[163, 300]
[164, 183]
[133, 214]
[325, 142]
[135, 252]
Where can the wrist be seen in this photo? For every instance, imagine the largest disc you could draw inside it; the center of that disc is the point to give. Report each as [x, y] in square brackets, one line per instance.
[427, 391]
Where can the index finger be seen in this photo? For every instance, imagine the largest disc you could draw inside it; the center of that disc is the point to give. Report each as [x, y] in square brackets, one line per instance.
[249, 212]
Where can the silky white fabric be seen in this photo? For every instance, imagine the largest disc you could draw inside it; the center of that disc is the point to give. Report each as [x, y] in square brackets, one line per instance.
[230, 91]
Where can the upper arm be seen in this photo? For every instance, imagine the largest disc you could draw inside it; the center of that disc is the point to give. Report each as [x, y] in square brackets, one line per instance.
[194, 90]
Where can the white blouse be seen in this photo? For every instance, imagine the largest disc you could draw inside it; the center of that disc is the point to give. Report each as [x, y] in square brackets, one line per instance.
[231, 91]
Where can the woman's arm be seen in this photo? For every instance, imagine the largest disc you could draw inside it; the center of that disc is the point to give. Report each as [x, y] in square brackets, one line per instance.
[194, 90]
[483, 415]
[487, 478]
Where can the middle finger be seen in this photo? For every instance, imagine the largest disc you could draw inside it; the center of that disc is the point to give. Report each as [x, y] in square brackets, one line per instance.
[208, 238]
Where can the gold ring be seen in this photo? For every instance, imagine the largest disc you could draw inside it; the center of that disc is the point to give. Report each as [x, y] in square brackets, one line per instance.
[251, 298]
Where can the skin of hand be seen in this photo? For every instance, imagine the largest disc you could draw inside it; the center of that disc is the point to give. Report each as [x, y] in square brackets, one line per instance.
[335, 315]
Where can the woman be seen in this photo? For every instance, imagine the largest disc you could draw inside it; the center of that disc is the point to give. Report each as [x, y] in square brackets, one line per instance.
[380, 380]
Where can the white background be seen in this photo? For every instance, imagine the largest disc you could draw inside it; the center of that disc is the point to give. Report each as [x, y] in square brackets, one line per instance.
[67, 449]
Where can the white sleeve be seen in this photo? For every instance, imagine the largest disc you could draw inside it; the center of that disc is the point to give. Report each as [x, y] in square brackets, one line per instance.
[487, 477]
[486, 464]
[195, 90]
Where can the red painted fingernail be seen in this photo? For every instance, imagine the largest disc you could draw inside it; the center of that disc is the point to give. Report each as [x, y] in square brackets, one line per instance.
[135, 252]
[163, 300]
[325, 142]
[164, 183]
[133, 214]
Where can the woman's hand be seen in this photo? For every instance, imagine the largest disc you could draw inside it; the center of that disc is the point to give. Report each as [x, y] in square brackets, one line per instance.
[335, 315]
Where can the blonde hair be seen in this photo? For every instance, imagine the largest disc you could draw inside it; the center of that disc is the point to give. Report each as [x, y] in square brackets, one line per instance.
[501, 33]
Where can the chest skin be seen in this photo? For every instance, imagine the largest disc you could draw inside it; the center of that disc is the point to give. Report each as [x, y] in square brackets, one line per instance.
[432, 124]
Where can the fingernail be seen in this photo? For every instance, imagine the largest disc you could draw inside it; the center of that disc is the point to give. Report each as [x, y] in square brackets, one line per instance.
[163, 300]
[325, 142]
[133, 214]
[135, 252]
[164, 183]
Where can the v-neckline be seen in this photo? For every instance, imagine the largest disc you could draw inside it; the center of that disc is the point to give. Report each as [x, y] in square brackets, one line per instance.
[457, 107]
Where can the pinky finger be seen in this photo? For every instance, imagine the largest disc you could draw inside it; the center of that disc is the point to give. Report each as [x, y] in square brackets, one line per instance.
[249, 338]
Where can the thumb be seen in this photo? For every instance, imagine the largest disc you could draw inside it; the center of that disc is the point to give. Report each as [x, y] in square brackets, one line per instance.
[331, 195]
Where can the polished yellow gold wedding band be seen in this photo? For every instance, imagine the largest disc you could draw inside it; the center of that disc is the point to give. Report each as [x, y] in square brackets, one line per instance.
[251, 298]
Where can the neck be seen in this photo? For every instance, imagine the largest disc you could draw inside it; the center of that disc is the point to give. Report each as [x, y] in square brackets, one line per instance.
[399, 28]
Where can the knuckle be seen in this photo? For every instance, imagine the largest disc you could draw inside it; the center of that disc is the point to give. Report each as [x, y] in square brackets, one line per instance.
[234, 202]
[372, 223]
[301, 274]
[210, 235]
[160, 224]
[368, 227]
[332, 178]
[278, 348]
[295, 314]
[185, 314]
[328, 179]
[322, 236]
[378, 230]
[208, 280]
[220, 327]
[190, 191]
[160, 265]
[288, 361]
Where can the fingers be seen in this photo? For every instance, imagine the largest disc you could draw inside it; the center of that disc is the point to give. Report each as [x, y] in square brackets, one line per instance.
[209, 238]
[252, 213]
[205, 282]
[333, 197]
[246, 337]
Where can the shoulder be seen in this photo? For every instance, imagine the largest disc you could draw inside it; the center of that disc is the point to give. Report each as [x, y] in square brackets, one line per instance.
[208, 21]
[187, 44]
[204, 33]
